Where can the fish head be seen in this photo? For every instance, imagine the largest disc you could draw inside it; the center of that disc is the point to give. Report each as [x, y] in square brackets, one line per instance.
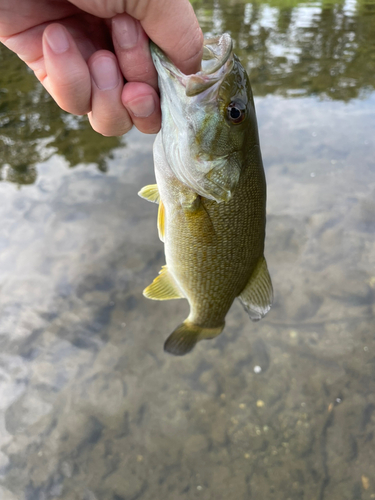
[208, 119]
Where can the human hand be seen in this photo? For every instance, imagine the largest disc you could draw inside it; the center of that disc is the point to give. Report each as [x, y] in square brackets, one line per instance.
[81, 51]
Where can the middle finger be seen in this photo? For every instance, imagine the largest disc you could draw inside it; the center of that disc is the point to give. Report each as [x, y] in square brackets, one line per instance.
[132, 49]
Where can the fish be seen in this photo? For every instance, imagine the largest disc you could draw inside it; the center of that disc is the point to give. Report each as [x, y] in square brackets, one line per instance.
[211, 191]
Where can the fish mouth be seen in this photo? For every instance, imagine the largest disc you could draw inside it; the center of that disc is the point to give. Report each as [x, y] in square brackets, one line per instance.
[217, 60]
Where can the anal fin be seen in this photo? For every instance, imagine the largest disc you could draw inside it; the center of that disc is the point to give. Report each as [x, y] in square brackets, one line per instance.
[163, 287]
[150, 193]
[257, 295]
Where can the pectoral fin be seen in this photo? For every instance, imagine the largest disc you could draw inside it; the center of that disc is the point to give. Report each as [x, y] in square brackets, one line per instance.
[221, 180]
[150, 193]
[257, 296]
[189, 200]
[163, 287]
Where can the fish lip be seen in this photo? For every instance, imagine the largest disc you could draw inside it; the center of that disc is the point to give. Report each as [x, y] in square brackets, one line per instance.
[161, 61]
[197, 83]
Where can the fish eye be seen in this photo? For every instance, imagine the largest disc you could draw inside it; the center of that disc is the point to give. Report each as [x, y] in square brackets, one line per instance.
[236, 112]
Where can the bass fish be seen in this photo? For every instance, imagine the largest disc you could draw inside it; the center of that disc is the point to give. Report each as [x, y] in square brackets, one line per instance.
[211, 192]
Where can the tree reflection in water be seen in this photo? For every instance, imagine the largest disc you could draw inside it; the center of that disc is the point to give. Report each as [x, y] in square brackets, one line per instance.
[293, 48]
[32, 127]
[311, 49]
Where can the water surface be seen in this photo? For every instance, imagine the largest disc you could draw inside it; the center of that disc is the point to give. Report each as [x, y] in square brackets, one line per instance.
[91, 408]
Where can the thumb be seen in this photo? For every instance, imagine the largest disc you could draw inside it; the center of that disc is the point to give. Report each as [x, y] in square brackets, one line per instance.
[171, 24]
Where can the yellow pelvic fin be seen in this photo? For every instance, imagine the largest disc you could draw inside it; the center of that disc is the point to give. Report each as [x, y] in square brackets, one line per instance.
[257, 295]
[163, 287]
[150, 193]
[161, 220]
[186, 335]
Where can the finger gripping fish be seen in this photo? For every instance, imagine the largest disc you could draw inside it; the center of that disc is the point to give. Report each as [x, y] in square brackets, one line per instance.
[211, 192]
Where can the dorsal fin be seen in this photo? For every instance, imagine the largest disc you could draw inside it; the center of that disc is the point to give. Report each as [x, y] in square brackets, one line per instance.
[150, 193]
[257, 295]
[163, 287]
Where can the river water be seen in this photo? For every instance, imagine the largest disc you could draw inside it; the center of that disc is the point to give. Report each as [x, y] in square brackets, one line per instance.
[91, 408]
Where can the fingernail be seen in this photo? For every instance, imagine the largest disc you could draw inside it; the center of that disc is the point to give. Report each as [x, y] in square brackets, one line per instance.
[142, 107]
[126, 31]
[105, 73]
[57, 39]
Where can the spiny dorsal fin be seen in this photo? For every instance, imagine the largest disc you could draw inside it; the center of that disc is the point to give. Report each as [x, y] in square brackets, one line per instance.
[257, 295]
[150, 193]
[163, 287]
[161, 221]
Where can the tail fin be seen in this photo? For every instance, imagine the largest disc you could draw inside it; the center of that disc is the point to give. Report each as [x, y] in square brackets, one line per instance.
[184, 338]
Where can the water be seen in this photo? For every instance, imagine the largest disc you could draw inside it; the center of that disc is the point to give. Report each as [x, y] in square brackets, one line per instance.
[90, 406]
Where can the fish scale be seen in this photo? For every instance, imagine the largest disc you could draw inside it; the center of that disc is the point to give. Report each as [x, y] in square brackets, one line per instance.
[229, 258]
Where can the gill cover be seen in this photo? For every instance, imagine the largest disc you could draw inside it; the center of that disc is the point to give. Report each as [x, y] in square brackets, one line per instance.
[203, 146]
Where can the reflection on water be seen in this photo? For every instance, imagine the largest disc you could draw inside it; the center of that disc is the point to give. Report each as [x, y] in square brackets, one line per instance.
[32, 129]
[90, 406]
[289, 48]
[292, 48]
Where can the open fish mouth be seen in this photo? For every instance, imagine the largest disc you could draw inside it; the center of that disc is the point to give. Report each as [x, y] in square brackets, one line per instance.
[217, 61]
[194, 120]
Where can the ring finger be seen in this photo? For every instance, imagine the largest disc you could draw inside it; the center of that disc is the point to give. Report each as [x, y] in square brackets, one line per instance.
[108, 115]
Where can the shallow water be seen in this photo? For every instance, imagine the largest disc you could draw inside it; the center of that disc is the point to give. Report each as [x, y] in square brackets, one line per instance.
[90, 406]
